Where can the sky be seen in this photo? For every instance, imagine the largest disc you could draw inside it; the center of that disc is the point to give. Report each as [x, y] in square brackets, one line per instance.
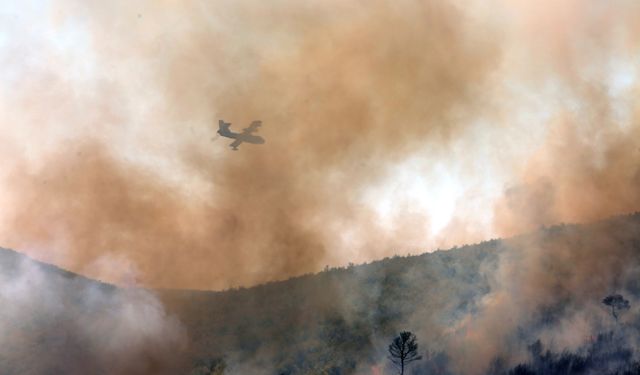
[391, 128]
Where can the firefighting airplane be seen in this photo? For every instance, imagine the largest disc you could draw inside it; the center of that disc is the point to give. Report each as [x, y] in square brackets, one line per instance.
[245, 136]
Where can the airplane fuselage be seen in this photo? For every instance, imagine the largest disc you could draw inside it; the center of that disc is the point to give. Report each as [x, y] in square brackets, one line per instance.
[249, 138]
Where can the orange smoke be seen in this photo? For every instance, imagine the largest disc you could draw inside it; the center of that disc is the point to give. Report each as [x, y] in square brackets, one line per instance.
[110, 154]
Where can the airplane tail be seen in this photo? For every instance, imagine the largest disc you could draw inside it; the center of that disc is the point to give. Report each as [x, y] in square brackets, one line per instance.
[223, 129]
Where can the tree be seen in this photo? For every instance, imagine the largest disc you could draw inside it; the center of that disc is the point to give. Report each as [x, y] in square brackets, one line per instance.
[404, 350]
[617, 303]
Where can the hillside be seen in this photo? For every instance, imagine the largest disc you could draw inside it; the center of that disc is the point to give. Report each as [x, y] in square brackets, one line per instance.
[337, 318]
[342, 320]
[468, 306]
[56, 322]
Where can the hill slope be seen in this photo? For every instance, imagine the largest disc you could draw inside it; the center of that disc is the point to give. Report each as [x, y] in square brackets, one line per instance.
[336, 318]
[468, 306]
[57, 322]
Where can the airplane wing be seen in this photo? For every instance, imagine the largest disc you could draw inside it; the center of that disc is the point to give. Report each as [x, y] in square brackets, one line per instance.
[253, 127]
[235, 144]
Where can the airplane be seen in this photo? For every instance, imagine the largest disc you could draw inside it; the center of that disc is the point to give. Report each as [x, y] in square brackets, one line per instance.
[245, 136]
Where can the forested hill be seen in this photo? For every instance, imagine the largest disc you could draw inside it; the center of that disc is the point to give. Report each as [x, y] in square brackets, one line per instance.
[342, 320]
[338, 318]
[474, 309]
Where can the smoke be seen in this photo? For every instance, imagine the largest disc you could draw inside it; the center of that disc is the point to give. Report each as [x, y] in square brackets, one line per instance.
[125, 166]
[107, 123]
[585, 169]
[55, 322]
[506, 115]
[549, 286]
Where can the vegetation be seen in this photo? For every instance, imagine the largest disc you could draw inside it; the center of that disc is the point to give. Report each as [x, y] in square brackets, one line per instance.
[404, 350]
[606, 355]
[215, 366]
[617, 303]
[340, 321]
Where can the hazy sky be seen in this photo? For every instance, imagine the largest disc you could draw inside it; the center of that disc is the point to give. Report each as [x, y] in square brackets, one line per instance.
[390, 126]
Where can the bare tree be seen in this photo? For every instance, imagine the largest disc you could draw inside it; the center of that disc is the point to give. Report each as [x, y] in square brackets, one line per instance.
[617, 303]
[404, 350]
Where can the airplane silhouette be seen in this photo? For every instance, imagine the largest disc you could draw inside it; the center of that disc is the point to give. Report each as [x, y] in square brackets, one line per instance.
[245, 136]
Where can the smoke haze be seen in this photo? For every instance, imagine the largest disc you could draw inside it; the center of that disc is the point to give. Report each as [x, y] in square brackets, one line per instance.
[391, 128]
[54, 322]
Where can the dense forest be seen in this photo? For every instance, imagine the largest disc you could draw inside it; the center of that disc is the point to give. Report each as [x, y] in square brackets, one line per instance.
[533, 304]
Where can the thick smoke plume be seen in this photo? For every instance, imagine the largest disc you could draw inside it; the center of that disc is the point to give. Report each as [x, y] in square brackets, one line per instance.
[341, 97]
[587, 167]
[109, 129]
